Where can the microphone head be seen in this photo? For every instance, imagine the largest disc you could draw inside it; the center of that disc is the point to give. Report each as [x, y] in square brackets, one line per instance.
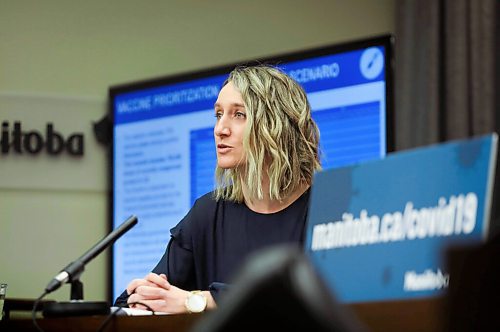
[58, 280]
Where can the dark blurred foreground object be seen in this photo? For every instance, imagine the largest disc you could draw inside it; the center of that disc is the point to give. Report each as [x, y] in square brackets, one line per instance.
[474, 290]
[278, 289]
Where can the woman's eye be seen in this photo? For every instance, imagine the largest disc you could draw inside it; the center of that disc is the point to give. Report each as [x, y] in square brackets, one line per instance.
[240, 115]
[218, 115]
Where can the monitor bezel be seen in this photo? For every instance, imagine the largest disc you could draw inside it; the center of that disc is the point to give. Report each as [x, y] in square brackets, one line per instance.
[387, 41]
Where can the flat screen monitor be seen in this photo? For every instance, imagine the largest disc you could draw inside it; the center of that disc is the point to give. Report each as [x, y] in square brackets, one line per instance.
[163, 155]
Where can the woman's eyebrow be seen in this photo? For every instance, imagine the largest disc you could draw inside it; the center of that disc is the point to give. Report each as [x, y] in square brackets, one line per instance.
[232, 104]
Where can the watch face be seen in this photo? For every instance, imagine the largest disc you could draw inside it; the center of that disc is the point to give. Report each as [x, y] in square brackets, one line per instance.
[196, 302]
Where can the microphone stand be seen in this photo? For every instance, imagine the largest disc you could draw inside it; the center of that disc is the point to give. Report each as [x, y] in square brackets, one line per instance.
[76, 306]
[71, 273]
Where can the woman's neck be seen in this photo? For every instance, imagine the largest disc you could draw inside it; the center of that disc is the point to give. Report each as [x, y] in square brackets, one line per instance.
[267, 205]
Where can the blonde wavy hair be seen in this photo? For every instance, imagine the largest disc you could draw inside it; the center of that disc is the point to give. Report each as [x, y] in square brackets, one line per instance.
[280, 136]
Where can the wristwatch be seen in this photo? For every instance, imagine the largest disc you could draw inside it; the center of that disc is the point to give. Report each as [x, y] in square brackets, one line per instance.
[196, 302]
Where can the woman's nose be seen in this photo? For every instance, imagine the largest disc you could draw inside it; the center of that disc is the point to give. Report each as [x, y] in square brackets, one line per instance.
[222, 128]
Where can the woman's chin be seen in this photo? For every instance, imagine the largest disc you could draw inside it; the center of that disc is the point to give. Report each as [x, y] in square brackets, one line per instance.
[226, 165]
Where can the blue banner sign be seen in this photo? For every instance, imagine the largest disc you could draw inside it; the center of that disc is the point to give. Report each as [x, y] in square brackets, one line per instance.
[378, 231]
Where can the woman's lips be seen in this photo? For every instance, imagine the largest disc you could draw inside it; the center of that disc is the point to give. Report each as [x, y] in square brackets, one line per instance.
[223, 148]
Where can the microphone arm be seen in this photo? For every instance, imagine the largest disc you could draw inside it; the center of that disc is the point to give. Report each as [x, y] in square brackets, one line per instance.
[74, 269]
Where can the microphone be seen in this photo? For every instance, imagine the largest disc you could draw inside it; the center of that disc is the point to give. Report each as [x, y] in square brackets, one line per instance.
[74, 269]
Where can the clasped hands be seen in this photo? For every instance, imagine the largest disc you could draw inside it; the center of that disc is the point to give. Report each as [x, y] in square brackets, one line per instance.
[157, 293]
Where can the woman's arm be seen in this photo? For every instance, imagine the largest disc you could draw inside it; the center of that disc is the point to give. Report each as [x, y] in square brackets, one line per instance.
[155, 293]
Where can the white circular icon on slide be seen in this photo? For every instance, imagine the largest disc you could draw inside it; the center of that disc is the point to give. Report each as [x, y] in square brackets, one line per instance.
[371, 63]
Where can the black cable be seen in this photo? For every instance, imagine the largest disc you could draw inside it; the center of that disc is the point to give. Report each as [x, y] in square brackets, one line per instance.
[33, 312]
[144, 304]
[108, 319]
[114, 313]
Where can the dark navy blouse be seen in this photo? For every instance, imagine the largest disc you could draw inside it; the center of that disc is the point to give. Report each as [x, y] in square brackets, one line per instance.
[209, 245]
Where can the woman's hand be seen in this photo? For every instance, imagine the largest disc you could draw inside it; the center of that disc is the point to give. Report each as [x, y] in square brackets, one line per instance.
[152, 279]
[159, 295]
[156, 292]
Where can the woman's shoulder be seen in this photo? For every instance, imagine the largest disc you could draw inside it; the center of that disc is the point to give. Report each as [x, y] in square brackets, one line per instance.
[202, 211]
[205, 202]
[209, 202]
[205, 209]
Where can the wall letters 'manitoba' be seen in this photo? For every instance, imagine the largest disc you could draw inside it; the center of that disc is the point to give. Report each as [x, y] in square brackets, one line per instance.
[15, 140]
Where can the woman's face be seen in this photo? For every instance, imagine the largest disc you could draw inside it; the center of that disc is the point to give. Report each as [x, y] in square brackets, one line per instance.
[231, 119]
